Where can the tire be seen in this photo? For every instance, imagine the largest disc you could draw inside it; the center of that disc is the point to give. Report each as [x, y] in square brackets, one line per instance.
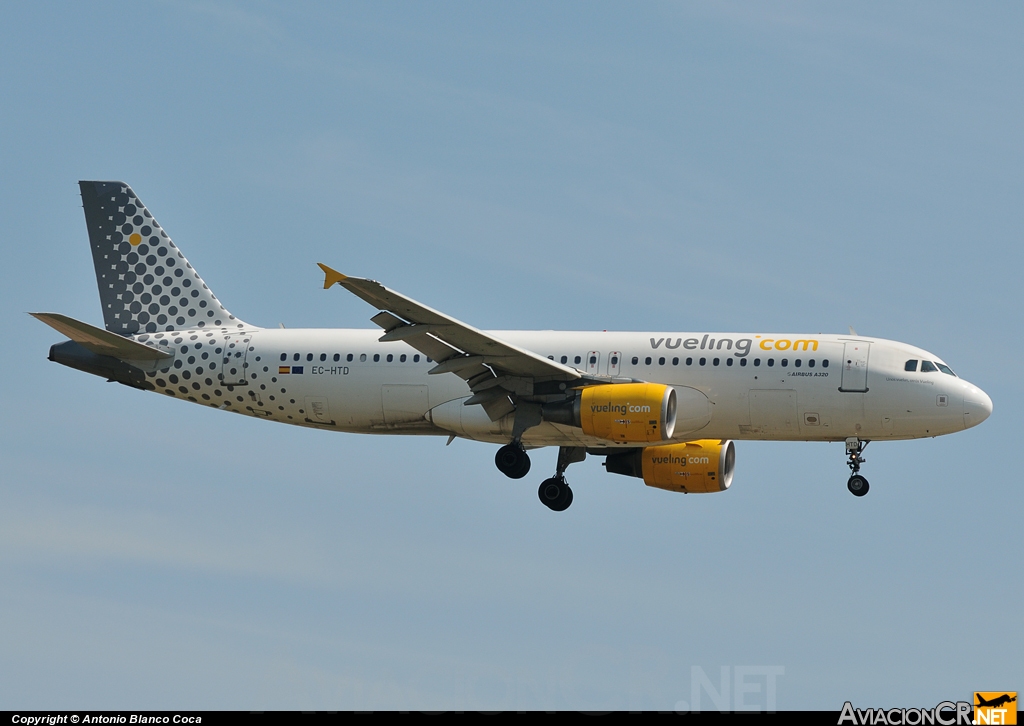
[512, 461]
[555, 494]
[858, 485]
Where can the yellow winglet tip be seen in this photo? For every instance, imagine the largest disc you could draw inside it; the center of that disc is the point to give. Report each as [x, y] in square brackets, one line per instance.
[330, 276]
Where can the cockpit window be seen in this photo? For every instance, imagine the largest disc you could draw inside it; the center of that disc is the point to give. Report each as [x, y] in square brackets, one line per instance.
[946, 369]
[910, 366]
[928, 367]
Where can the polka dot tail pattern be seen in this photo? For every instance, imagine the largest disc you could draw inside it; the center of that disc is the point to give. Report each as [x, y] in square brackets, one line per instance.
[146, 285]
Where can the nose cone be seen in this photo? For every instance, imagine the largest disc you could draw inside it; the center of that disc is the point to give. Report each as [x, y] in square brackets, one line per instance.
[977, 406]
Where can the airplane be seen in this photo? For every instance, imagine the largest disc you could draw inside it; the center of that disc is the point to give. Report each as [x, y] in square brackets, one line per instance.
[995, 702]
[665, 407]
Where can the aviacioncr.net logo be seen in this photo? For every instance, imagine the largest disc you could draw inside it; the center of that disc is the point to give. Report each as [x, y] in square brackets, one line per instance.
[946, 713]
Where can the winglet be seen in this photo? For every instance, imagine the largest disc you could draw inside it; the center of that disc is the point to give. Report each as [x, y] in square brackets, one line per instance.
[330, 276]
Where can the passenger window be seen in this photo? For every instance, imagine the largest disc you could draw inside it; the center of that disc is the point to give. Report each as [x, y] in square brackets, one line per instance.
[635, 360]
[810, 363]
[284, 356]
[928, 367]
[946, 369]
[323, 356]
[785, 362]
[551, 357]
[390, 357]
[714, 362]
[349, 357]
[703, 361]
[757, 362]
[415, 358]
[797, 362]
[647, 360]
[661, 361]
[577, 359]
[910, 366]
[309, 356]
[337, 357]
[675, 361]
[824, 363]
[402, 358]
[771, 362]
[362, 357]
[565, 359]
[743, 362]
[593, 359]
[689, 361]
[615, 360]
[376, 357]
[728, 361]
[296, 356]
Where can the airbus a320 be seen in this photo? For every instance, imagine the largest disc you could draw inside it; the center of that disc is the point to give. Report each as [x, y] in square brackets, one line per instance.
[664, 407]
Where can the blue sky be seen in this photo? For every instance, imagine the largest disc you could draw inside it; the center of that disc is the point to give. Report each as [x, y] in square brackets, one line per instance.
[664, 166]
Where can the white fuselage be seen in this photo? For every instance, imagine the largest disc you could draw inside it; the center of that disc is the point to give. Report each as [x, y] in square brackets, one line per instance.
[730, 386]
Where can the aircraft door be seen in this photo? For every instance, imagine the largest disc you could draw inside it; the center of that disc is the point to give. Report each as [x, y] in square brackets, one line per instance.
[593, 362]
[233, 362]
[614, 363]
[855, 367]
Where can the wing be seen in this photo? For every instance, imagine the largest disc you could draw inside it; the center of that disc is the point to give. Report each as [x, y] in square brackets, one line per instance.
[494, 369]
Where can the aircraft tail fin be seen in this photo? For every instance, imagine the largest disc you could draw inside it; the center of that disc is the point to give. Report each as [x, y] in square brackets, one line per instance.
[146, 285]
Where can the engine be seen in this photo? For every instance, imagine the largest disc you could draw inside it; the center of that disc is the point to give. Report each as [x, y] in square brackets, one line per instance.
[630, 412]
[696, 467]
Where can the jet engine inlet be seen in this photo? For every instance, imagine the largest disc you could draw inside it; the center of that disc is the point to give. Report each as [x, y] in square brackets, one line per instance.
[694, 467]
[630, 412]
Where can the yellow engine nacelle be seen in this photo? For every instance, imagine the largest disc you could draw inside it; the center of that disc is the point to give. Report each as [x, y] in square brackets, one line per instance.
[694, 467]
[633, 412]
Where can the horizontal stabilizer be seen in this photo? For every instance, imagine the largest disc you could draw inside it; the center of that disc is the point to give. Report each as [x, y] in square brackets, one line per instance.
[103, 342]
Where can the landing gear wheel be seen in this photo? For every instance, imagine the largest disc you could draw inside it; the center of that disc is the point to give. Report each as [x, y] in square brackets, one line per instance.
[858, 485]
[555, 494]
[512, 461]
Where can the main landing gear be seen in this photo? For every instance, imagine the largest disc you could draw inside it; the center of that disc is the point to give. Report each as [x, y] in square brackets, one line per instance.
[513, 461]
[857, 484]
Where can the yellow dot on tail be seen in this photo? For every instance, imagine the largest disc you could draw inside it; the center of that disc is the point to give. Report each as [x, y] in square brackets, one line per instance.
[135, 239]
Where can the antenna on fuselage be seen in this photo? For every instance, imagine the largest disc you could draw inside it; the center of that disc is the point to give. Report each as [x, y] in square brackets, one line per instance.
[852, 331]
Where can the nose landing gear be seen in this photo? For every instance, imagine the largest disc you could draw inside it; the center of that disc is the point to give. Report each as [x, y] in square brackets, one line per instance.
[857, 484]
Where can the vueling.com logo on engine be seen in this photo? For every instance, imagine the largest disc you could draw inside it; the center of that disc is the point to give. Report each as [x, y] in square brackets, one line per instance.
[618, 408]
